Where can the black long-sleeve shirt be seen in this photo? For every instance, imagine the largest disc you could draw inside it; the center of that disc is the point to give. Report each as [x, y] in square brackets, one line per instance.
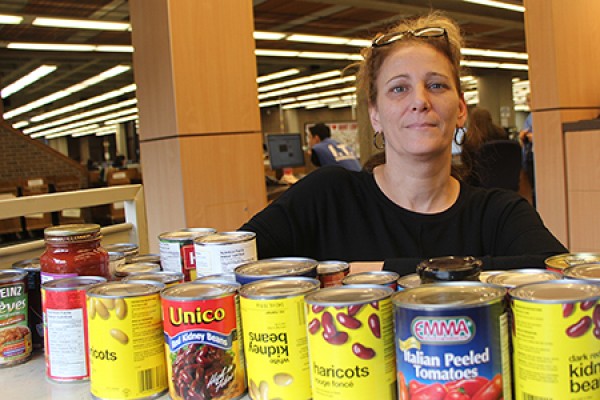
[335, 214]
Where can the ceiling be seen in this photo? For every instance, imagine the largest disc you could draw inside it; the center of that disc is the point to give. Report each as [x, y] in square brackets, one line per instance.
[484, 27]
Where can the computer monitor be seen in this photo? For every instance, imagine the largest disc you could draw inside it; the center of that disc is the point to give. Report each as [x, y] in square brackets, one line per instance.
[285, 150]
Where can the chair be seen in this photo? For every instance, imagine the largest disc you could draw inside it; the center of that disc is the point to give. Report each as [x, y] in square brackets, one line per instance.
[497, 164]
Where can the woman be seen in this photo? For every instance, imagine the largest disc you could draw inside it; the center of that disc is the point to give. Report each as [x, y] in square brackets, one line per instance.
[411, 207]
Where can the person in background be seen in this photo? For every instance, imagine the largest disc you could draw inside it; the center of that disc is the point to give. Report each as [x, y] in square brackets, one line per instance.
[526, 140]
[412, 207]
[327, 151]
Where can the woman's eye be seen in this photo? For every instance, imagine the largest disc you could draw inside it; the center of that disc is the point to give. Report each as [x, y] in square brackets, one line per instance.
[398, 89]
[438, 86]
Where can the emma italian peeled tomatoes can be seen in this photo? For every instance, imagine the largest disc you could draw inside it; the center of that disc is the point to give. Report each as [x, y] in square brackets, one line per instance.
[452, 341]
[203, 341]
[351, 343]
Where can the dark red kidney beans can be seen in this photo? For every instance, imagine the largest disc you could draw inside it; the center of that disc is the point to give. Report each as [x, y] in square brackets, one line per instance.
[66, 328]
[452, 339]
[34, 296]
[331, 272]
[384, 278]
[278, 267]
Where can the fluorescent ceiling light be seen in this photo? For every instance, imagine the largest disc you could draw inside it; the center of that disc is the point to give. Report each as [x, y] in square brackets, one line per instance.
[277, 75]
[299, 81]
[268, 35]
[317, 39]
[81, 24]
[498, 4]
[494, 53]
[123, 119]
[488, 64]
[86, 122]
[86, 128]
[518, 67]
[276, 53]
[27, 80]
[308, 86]
[10, 19]
[359, 43]
[105, 130]
[69, 47]
[114, 48]
[20, 124]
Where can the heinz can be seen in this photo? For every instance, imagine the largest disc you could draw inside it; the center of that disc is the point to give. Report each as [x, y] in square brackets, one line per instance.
[275, 342]
[556, 340]
[127, 355]
[560, 262]
[177, 250]
[278, 267]
[203, 341]
[516, 277]
[222, 252]
[15, 336]
[452, 339]
[385, 278]
[34, 299]
[331, 272]
[351, 343]
[66, 328]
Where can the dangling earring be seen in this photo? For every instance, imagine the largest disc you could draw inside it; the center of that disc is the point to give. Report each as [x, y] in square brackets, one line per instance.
[381, 145]
[459, 135]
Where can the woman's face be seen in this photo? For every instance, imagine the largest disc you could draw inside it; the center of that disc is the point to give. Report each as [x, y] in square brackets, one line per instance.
[418, 105]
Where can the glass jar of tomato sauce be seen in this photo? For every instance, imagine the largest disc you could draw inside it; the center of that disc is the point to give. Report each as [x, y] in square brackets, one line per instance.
[73, 250]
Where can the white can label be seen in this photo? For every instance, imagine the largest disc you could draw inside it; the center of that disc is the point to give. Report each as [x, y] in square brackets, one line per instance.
[218, 259]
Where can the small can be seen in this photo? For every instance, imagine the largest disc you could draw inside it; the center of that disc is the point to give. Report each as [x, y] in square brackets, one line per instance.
[275, 342]
[556, 340]
[15, 336]
[448, 269]
[269, 268]
[385, 278]
[408, 281]
[115, 260]
[351, 343]
[127, 355]
[516, 277]
[560, 262]
[223, 251]
[66, 329]
[331, 273]
[128, 269]
[585, 272]
[128, 249]
[224, 277]
[452, 337]
[145, 258]
[34, 298]
[203, 341]
[484, 276]
[169, 278]
[177, 250]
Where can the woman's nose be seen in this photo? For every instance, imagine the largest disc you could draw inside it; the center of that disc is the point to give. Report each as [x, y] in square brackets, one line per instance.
[420, 99]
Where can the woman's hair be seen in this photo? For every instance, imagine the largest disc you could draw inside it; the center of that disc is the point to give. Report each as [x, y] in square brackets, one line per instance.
[373, 58]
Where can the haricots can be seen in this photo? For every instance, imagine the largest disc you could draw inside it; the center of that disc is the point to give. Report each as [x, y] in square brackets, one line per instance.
[203, 341]
[275, 341]
[15, 336]
[177, 250]
[384, 278]
[127, 353]
[351, 343]
[34, 298]
[269, 268]
[222, 252]
[556, 340]
[452, 339]
[332, 272]
[66, 328]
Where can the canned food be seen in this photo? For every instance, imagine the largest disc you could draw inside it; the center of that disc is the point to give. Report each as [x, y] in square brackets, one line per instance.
[129, 249]
[202, 330]
[66, 328]
[275, 342]
[128, 269]
[127, 355]
[169, 278]
[351, 343]
[222, 252]
[177, 250]
[331, 273]
[408, 281]
[561, 261]
[586, 272]
[451, 341]
[444, 269]
[224, 277]
[15, 336]
[516, 277]
[485, 275]
[385, 278]
[556, 340]
[275, 268]
[145, 258]
[115, 260]
[35, 320]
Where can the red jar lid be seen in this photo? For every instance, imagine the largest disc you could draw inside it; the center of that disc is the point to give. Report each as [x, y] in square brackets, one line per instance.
[72, 233]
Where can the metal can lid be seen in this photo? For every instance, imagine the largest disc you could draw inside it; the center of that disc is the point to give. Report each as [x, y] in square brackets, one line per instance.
[124, 289]
[129, 249]
[278, 266]
[589, 271]
[485, 275]
[279, 288]
[348, 295]
[166, 277]
[115, 255]
[448, 295]
[332, 266]
[221, 238]
[200, 291]
[565, 260]
[371, 278]
[72, 233]
[77, 282]
[12, 275]
[558, 291]
[516, 277]
[449, 268]
[145, 258]
[32, 264]
[409, 281]
[225, 276]
[126, 269]
[187, 234]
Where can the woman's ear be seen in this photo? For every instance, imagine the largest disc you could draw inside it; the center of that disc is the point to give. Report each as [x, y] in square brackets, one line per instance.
[461, 119]
[374, 117]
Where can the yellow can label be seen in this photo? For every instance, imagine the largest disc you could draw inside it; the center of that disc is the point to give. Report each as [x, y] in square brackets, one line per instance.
[351, 351]
[556, 350]
[276, 348]
[127, 357]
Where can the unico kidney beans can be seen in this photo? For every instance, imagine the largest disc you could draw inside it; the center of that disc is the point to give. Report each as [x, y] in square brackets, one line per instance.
[203, 341]
[275, 340]
[351, 343]
[451, 341]
[556, 340]
[127, 352]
